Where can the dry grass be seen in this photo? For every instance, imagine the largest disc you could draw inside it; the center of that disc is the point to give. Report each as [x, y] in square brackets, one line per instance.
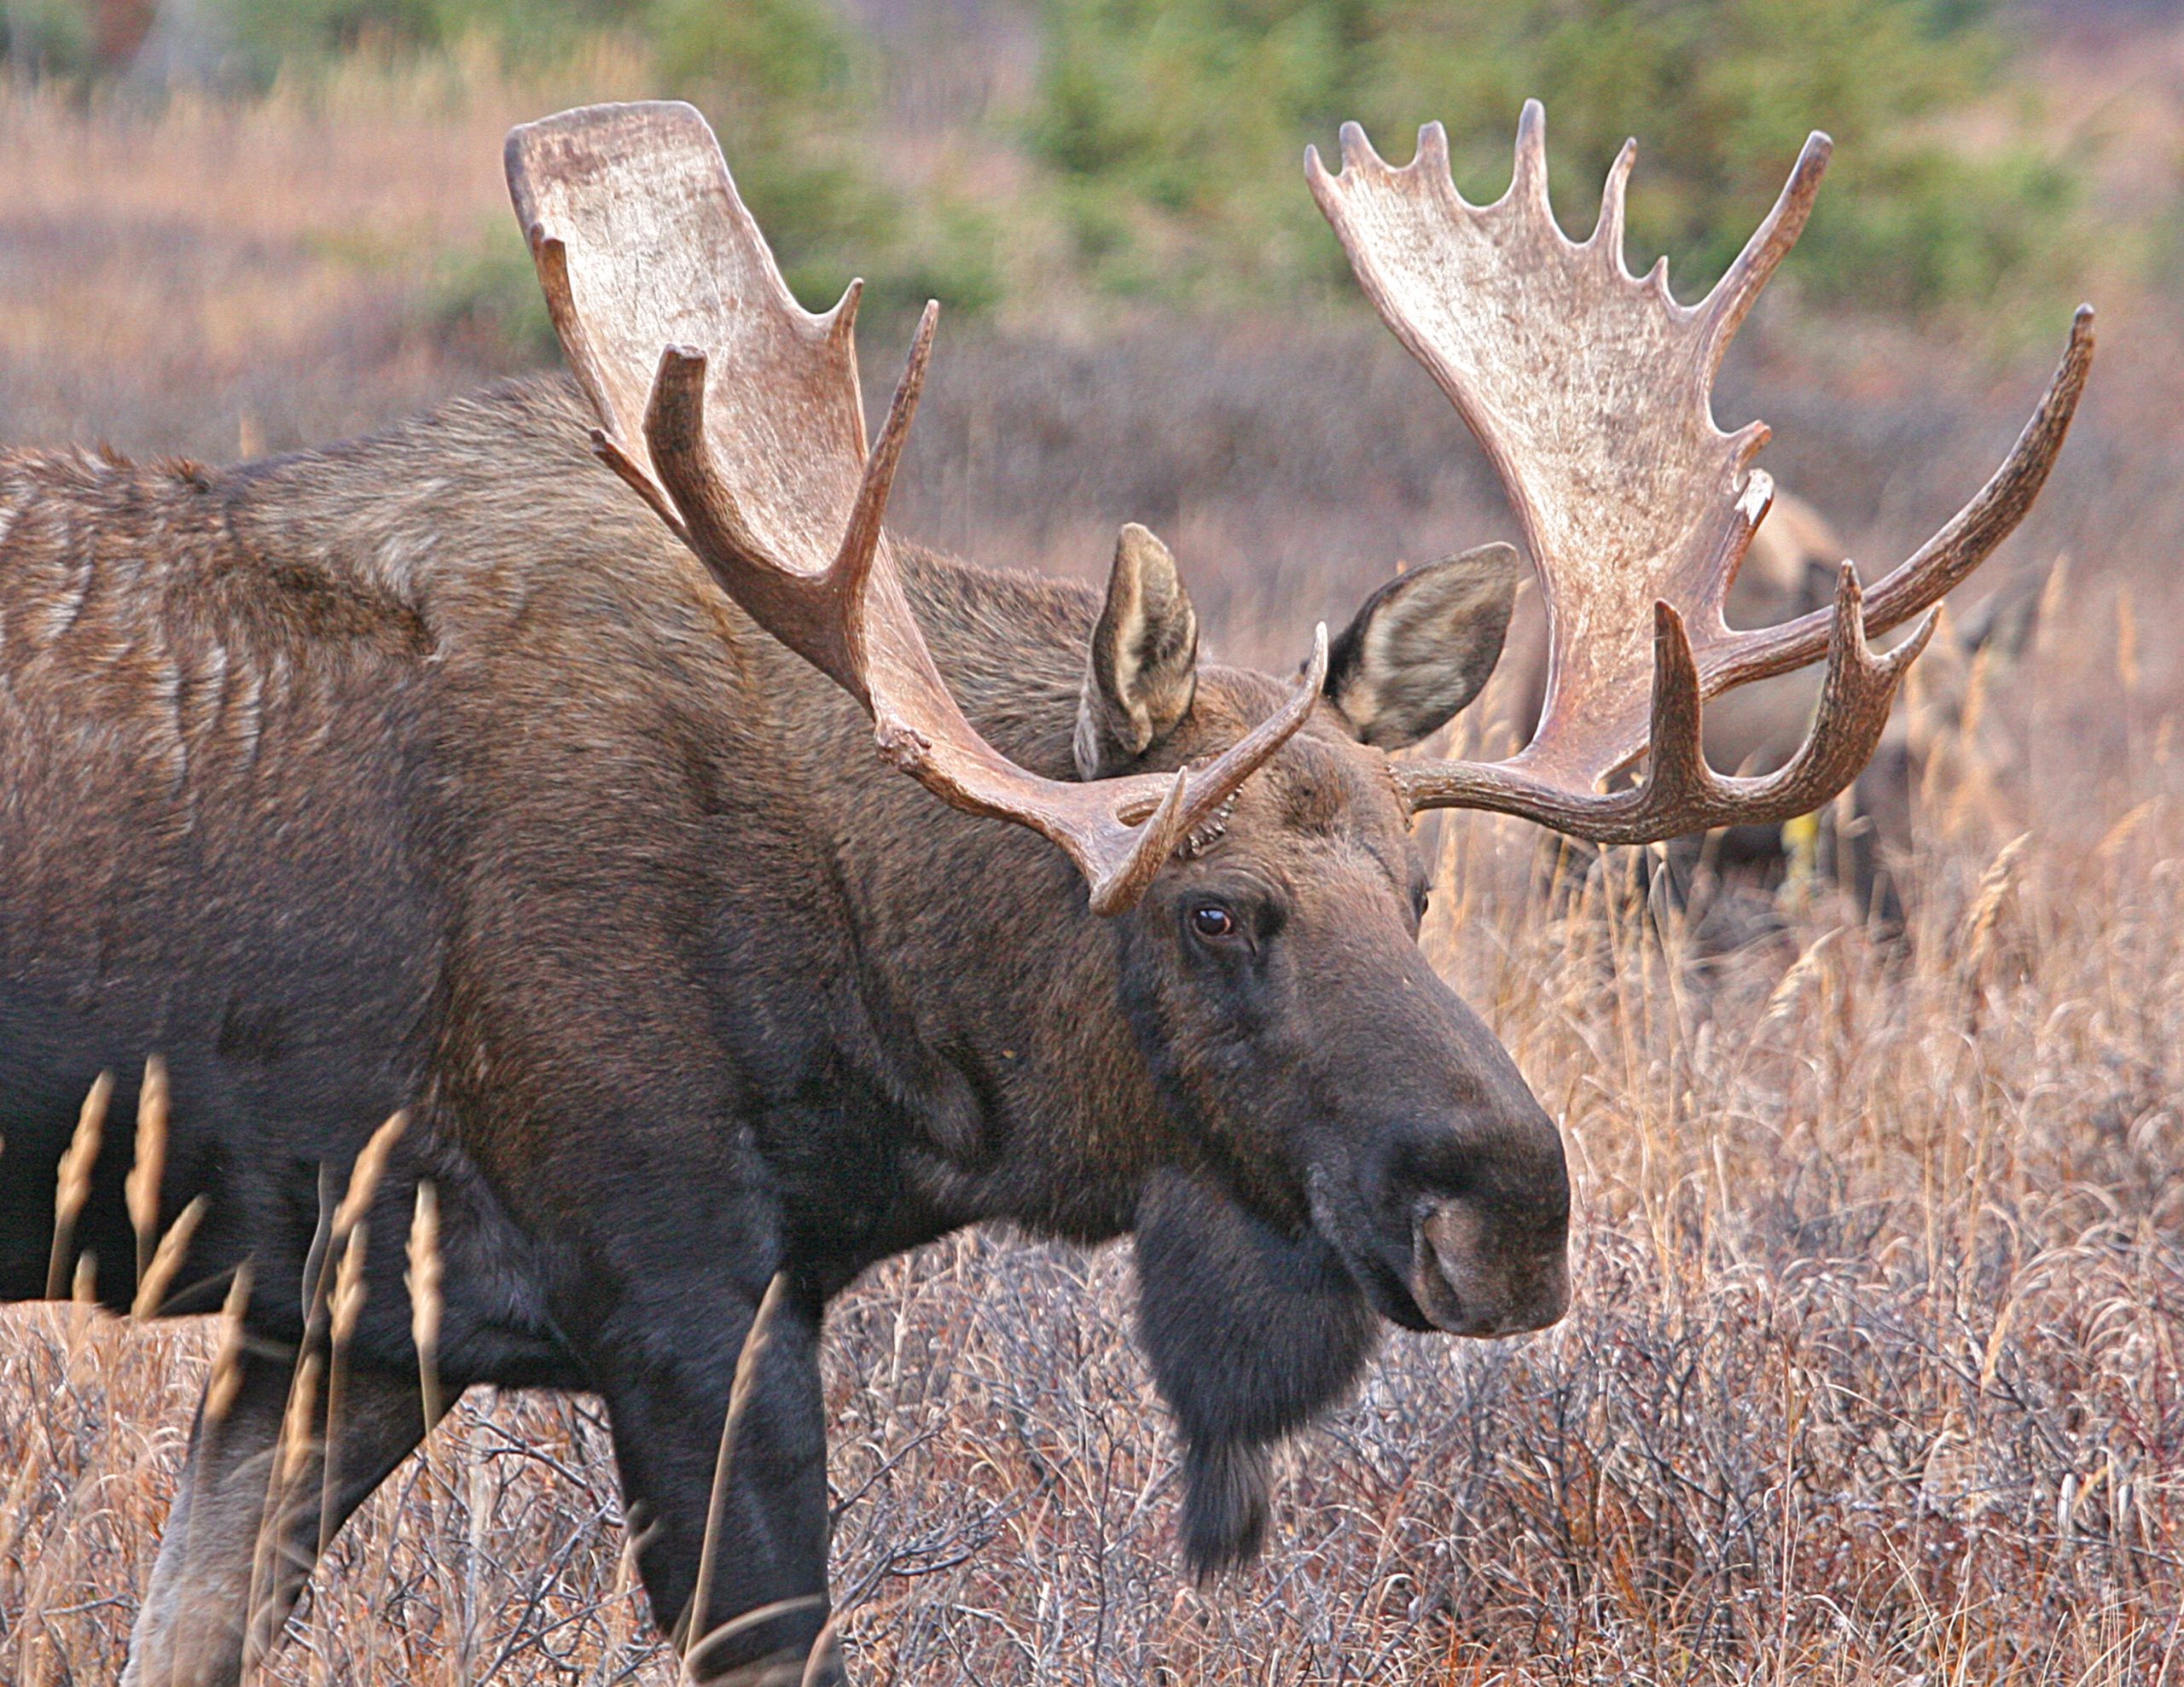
[1872, 1370]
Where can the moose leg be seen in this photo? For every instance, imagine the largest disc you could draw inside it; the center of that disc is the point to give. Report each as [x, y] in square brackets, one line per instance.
[765, 1597]
[1251, 1333]
[230, 1539]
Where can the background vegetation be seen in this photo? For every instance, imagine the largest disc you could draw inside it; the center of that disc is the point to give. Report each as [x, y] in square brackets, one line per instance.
[1873, 1374]
[1183, 118]
[1152, 145]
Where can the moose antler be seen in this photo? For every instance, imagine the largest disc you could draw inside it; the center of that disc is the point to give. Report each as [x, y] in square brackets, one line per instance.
[1591, 391]
[735, 413]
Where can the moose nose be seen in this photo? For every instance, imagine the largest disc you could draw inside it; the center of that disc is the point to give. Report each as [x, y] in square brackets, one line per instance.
[1470, 1276]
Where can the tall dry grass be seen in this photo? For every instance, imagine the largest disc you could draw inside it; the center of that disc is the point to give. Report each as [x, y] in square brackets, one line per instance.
[1872, 1373]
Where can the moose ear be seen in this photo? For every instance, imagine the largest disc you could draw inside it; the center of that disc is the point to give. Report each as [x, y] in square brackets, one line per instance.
[1423, 644]
[1144, 668]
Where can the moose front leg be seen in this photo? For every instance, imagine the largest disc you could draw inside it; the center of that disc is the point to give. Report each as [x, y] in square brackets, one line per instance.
[763, 1568]
[243, 1534]
[1251, 1334]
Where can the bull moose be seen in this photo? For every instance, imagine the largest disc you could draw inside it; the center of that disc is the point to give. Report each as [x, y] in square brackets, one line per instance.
[513, 767]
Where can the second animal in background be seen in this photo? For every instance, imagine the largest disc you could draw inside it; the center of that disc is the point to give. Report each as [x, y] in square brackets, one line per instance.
[1947, 743]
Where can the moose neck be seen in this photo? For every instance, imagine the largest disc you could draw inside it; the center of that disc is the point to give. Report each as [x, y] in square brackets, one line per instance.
[994, 987]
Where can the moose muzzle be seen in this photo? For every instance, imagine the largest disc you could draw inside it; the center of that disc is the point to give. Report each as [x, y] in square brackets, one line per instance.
[1470, 1279]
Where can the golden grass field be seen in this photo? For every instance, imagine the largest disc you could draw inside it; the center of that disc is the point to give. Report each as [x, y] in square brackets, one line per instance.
[1873, 1372]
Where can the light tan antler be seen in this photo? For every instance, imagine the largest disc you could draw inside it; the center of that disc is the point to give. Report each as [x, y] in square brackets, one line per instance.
[735, 413]
[1591, 391]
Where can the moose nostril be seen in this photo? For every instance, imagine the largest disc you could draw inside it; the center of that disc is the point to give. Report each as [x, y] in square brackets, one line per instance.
[1470, 1279]
[1445, 1246]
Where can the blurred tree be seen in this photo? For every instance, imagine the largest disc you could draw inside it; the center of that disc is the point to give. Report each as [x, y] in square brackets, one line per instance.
[783, 82]
[1177, 128]
[47, 35]
[1164, 135]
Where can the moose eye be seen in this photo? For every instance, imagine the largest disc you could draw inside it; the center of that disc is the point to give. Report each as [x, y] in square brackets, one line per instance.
[1211, 921]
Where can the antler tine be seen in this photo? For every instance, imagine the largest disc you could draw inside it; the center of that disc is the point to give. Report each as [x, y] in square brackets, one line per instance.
[550, 256]
[861, 537]
[1855, 696]
[1607, 232]
[1681, 793]
[710, 517]
[840, 324]
[1358, 151]
[819, 616]
[1528, 179]
[1196, 794]
[752, 449]
[1432, 149]
[1590, 391]
[1963, 543]
[1724, 309]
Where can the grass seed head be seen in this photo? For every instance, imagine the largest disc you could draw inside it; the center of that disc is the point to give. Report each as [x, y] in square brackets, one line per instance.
[73, 1181]
[226, 1380]
[348, 1286]
[142, 1188]
[364, 1177]
[174, 1246]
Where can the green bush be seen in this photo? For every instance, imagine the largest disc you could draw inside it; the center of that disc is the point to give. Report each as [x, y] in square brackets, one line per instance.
[1179, 125]
[1166, 134]
[48, 37]
[781, 80]
[488, 293]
